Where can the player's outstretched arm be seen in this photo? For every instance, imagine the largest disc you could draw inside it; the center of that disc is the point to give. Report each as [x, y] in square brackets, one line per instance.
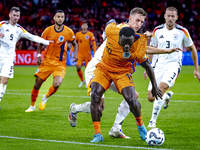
[155, 90]
[153, 50]
[34, 38]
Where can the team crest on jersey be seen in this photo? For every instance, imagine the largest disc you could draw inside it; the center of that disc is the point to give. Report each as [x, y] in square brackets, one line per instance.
[175, 36]
[87, 37]
[61, 39]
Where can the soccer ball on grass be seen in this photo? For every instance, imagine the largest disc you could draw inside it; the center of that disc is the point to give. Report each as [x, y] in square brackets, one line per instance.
[155, 137]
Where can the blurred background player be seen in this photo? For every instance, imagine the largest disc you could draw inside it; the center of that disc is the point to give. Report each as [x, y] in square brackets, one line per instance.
[168, 66]
[10, 33]
[54, 58]
[84, 38]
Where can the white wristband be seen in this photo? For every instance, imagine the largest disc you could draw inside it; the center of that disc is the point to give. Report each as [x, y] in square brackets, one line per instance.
[38, 55]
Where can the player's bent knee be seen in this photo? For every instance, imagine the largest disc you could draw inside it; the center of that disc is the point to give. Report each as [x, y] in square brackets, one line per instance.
[151, 99]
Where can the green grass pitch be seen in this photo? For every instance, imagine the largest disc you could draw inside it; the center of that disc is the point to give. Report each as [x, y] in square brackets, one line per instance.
[50, 129]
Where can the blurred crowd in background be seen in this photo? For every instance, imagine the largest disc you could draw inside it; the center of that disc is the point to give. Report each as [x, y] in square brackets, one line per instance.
[36, 15]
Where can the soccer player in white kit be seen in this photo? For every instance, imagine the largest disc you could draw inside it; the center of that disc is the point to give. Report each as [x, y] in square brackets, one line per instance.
[168, 66]
[10, 33]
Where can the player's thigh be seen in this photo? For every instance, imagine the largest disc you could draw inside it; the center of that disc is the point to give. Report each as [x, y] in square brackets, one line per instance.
[123, 80]
[44, 71]
[170, 76]
[87, 60]
[6, 68]
[89, 72]
[80, 61]
[159, 73]
[102, 78]
[59, 70]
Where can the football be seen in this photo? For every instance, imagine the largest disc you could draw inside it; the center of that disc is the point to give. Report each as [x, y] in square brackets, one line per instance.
[155, 137]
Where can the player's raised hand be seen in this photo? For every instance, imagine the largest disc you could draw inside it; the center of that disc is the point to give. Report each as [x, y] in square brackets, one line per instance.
[196, 74]
[148, 34]
[1, 35]
[156, 92]
[176, 49]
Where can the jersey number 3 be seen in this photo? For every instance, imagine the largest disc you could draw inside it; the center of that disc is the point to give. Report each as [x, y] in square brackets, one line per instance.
[168, 44]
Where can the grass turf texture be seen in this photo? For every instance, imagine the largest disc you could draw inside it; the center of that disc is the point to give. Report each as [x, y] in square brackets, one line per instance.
[180, 121]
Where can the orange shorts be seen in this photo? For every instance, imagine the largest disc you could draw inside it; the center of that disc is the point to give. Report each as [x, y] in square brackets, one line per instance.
[105, 78]
[83, 59]
[49, 67]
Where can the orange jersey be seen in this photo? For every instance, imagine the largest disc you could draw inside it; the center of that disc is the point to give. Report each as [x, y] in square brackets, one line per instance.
[113, 59]
[83, 40]
[58, 45]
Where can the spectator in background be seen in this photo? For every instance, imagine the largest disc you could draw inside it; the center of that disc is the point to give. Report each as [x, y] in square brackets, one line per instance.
[98, 12]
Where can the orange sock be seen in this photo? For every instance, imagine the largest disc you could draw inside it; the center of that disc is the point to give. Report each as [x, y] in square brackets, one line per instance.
[51, 91]
[97, 125]
[80, 74]
[34, 96]
[139, 120]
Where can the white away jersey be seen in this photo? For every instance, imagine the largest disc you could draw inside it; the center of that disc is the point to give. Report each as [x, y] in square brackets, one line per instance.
[167, 39]
[11, 35]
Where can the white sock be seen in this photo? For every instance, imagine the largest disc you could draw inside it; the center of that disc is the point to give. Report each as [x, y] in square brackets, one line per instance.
[123, 111]
[2, 90]
[157, 105]
[85, 107]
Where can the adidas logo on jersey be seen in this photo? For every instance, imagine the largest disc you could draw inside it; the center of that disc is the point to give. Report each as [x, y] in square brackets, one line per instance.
[7, 30]
[161, 36]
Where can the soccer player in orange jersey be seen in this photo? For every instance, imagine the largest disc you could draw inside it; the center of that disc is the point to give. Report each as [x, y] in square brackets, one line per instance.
[54, 58]
[84, 38]
[121, 49]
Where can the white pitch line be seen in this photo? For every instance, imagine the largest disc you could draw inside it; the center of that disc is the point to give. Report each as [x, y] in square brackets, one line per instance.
[80, 143]
[88, 97]
[79, 91]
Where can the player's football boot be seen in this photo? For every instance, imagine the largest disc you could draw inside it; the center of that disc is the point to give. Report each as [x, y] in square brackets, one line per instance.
[143, 131]
[43, 103]
[30, 109]
[72, 116]
[97, 138]
[81, 84]
[117, 133]
[151, 124]
[167, 100]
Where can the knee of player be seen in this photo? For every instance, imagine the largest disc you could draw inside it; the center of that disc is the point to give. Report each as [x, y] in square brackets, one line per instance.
[95, 96]
[151, 99]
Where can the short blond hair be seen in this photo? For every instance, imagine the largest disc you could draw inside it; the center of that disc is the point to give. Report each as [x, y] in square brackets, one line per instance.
[172, 9]
[138, 10]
